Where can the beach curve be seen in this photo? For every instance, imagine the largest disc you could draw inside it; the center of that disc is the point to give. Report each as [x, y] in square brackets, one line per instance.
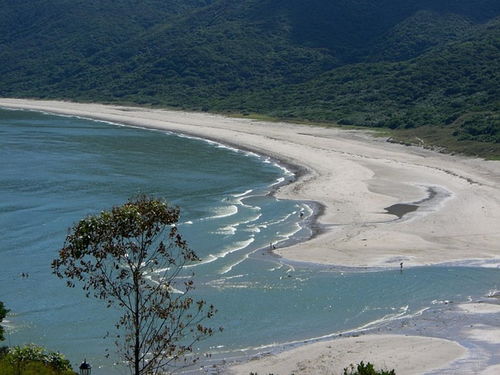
[355, 177]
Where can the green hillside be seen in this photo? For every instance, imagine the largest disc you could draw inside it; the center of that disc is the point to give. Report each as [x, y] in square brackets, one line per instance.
[46, 42]
[430, 69]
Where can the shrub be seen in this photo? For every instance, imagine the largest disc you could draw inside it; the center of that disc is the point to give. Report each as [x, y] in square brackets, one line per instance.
[362, 369]
[34, 360]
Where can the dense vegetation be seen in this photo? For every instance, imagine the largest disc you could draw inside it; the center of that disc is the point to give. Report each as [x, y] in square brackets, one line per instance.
[33, 360]
[3, 314]
[412, 66]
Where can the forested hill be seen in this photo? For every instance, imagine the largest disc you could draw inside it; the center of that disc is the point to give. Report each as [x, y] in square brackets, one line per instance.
[428, 67]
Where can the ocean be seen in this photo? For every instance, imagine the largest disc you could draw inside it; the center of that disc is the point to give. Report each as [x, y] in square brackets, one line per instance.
[55, 170]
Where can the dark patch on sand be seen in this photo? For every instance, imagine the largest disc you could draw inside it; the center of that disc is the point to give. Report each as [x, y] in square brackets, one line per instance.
[401, 209]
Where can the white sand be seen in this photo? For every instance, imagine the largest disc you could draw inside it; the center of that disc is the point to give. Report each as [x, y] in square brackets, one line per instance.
[492, 370]
[480, 308]
[407, 355]
[483, 332]
[355, 177]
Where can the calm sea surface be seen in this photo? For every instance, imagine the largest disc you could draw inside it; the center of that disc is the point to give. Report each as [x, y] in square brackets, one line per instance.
[55, 170]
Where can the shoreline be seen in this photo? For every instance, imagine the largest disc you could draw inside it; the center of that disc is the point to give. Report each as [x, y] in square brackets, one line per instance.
[353, 179]
[298, 171]
[451, 339]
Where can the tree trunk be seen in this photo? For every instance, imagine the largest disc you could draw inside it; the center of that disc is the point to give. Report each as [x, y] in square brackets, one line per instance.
[136, 326]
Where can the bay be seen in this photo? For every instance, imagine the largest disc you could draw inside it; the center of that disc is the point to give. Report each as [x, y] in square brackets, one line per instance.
[54, 170]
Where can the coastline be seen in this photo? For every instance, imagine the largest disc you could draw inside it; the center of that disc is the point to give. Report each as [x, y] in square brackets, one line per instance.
[353, 178]
[450, 339]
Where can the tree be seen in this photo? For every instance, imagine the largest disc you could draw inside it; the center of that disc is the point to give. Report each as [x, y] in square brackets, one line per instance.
[131, 257]
[3, 313]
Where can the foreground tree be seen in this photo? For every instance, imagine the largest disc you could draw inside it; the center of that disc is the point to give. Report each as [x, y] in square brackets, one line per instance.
[131, 257]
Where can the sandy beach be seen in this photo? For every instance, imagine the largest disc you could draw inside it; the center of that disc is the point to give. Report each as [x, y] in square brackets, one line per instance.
[355, 177]
[332, 357]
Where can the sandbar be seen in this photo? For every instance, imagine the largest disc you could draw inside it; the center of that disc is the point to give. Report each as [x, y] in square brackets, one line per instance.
[492, 370]
[407, 355]
[480, 308]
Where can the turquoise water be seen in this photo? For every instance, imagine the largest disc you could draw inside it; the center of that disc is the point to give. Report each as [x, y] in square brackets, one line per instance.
[55, 170]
